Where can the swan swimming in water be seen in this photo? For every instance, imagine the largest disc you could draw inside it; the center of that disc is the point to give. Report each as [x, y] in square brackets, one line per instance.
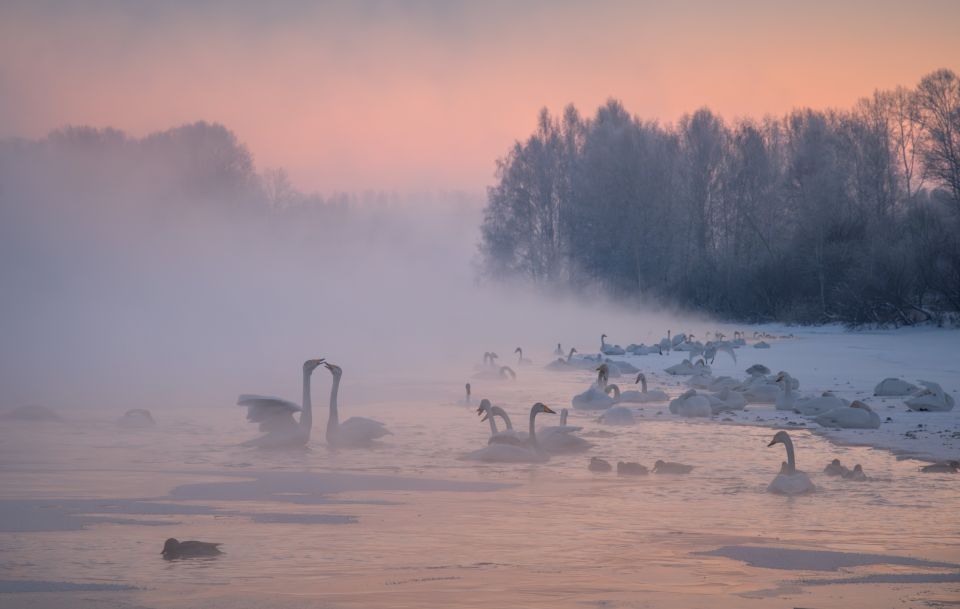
[275, 415]
[790, 480]
[643, 396]
[511, 453]
[355, 432]
[610, 349]
[522, 361]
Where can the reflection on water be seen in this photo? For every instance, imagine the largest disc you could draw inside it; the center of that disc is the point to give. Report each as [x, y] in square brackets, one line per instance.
[546, 535]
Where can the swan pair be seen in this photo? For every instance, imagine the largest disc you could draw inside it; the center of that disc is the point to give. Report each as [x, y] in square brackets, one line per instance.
[554, 440]
[275, 417]
[518, 450]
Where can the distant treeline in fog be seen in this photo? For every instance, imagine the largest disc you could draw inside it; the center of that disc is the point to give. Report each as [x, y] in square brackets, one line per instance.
[837, 215]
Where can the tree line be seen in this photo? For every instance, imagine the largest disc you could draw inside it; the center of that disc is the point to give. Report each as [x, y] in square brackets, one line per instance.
[816, 216]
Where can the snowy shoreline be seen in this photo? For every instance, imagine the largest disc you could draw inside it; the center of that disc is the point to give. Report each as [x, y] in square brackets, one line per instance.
[849, 364]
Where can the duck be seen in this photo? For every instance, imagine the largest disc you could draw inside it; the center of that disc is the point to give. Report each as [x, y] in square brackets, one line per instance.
[855, 416]
[790, 480]
[628, 468]
[670, 467]
[599, 465]
[835, 468]
[189, 549]
[856, 474]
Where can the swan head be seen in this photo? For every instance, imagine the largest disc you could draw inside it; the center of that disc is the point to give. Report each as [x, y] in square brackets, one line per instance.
[541, 407]
[518, 350]
[781, 437]
[859, 404]
[603, 336]
[334, 369]
[468, 388]
[493, 355]
[573, 350]
[310, 365]
[170, 546]
[640, 377]
[484, 407]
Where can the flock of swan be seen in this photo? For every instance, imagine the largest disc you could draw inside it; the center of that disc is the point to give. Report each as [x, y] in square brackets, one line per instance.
[708, 396]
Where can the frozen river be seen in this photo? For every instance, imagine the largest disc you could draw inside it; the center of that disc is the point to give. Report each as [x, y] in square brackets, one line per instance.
[86, 506]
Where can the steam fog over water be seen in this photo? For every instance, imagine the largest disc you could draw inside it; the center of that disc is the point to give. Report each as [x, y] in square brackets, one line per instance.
[222, 389]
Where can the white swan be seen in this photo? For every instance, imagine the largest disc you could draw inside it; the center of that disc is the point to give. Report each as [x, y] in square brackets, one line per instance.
[594, 398]
[530, 452]
[821, 404]
[560, 439]
[686, 367]
[932, 398]
[727, 400]
[855, 416]
[355, 432]
[610, 349]
[275, 415]
[617, 415]
[508, 435]
[522, 361]
[711, 350]
[690, 404]
[790, 480]
[466, 400]
[894, 387]
[643, 396]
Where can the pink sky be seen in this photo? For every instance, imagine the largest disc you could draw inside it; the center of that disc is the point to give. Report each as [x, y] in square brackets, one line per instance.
[413, 96]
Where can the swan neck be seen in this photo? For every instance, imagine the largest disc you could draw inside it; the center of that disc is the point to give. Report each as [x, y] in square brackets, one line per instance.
[563, 417]
[493, 425]
[533, 433]
[334, 421]
[506, 420]
[791, 459]
[306, 415]
[643, 383]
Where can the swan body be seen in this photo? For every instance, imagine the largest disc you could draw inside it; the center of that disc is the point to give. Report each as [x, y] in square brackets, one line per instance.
[856, 474]
[686, 367]
[855, 416]
[727, 400]
[189, 549]
[594, 398]
[790, 480]
[690, 404]
[623, 367]
[560, 439]
[355, 432]
[712, 383]
[823, 404]
[529, 452]
[894, 387]
[931, 398]
[617, 415]
[610, 349]
[136, 418]
[758, 370]
[643, 396]
[275, 416]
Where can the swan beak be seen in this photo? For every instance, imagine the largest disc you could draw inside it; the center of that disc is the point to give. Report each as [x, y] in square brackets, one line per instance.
[772, 442]
[547, 410]
[484, 418]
